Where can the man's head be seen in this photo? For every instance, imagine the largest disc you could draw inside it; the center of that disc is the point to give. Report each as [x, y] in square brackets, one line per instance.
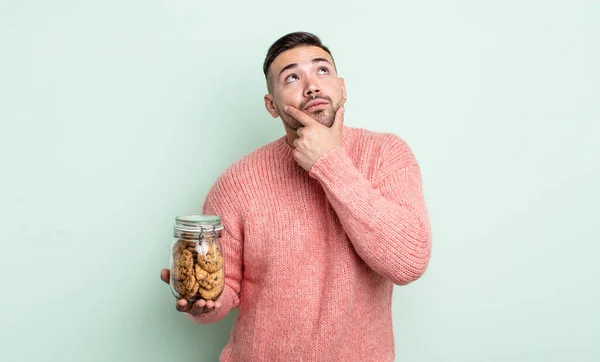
[300, 72]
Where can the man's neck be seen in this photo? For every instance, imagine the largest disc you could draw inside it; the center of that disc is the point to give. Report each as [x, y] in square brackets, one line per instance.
[291, 135]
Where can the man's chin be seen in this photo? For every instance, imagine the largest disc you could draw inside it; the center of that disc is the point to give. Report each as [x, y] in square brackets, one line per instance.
[327, 123]
[324, 119]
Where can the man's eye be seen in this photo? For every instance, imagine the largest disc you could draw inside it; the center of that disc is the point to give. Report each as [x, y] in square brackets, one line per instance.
[289, 77]
[325, 69]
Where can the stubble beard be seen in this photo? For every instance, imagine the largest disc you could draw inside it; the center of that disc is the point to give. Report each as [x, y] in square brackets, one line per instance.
[324, 116]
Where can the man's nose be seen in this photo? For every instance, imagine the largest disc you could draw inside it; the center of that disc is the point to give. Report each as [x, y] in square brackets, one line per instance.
[312, 89]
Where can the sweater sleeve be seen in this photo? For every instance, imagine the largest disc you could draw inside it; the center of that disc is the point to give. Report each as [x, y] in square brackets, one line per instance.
[385, 219]
[220, 202]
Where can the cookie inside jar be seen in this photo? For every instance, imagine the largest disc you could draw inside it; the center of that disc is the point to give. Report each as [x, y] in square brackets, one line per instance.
[197, 267]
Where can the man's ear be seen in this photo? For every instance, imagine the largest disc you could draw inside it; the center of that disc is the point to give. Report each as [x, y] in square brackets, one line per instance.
[270, 106]
[343, 84]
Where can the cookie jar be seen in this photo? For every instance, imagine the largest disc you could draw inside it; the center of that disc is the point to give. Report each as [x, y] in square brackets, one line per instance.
[197, 267]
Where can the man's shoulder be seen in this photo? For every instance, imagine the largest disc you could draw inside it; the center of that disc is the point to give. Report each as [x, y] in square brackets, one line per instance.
[374, 150]
[380, 140]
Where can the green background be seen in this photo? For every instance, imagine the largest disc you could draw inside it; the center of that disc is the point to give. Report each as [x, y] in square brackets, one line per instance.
[118, 116]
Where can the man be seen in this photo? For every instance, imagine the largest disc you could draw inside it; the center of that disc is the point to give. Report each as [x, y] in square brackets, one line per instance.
[319, 225]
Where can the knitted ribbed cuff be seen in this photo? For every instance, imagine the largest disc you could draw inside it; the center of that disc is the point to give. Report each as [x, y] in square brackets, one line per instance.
[333, 166]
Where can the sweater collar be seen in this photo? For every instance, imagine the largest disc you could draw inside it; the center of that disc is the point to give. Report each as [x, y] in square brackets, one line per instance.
[286, 151]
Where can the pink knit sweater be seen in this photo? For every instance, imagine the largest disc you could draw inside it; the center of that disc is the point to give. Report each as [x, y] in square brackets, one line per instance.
[312, 257]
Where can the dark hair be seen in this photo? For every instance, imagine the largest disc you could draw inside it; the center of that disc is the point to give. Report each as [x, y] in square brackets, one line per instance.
[287, 42]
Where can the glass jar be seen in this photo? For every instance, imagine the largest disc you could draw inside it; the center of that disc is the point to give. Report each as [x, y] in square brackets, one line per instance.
[197, 267]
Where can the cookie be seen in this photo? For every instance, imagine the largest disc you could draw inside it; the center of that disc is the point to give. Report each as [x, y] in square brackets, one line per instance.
[210, 294]
[182, 245]
[212, 259]
[217, 281]
[190, 285]
[177, 248]
[191, 247]
[180, 272]
[183, 265]
[185, 260]
[202, 276]
[208, 280]
[187, 288]
[192, 292]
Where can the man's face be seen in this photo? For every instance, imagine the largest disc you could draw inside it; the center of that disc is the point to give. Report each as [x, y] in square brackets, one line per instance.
[303, 77]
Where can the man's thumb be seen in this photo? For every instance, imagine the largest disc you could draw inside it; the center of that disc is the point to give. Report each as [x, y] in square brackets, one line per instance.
[165, 274]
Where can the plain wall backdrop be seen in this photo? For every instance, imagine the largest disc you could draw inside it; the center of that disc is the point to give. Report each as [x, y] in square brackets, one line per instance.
[117, 116]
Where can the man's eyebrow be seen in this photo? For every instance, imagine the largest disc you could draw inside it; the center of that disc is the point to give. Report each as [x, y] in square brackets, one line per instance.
[295, 65]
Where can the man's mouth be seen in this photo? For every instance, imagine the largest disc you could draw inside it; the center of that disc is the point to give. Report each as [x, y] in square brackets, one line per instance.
[315, 105]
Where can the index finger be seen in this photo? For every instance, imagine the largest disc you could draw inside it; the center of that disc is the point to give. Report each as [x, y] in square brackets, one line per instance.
[300, 116]
[198, 307]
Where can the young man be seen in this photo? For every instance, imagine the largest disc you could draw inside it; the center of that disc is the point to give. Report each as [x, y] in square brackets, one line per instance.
[319, 225]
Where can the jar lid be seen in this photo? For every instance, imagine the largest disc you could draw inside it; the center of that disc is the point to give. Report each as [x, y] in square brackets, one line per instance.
[198, 223]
